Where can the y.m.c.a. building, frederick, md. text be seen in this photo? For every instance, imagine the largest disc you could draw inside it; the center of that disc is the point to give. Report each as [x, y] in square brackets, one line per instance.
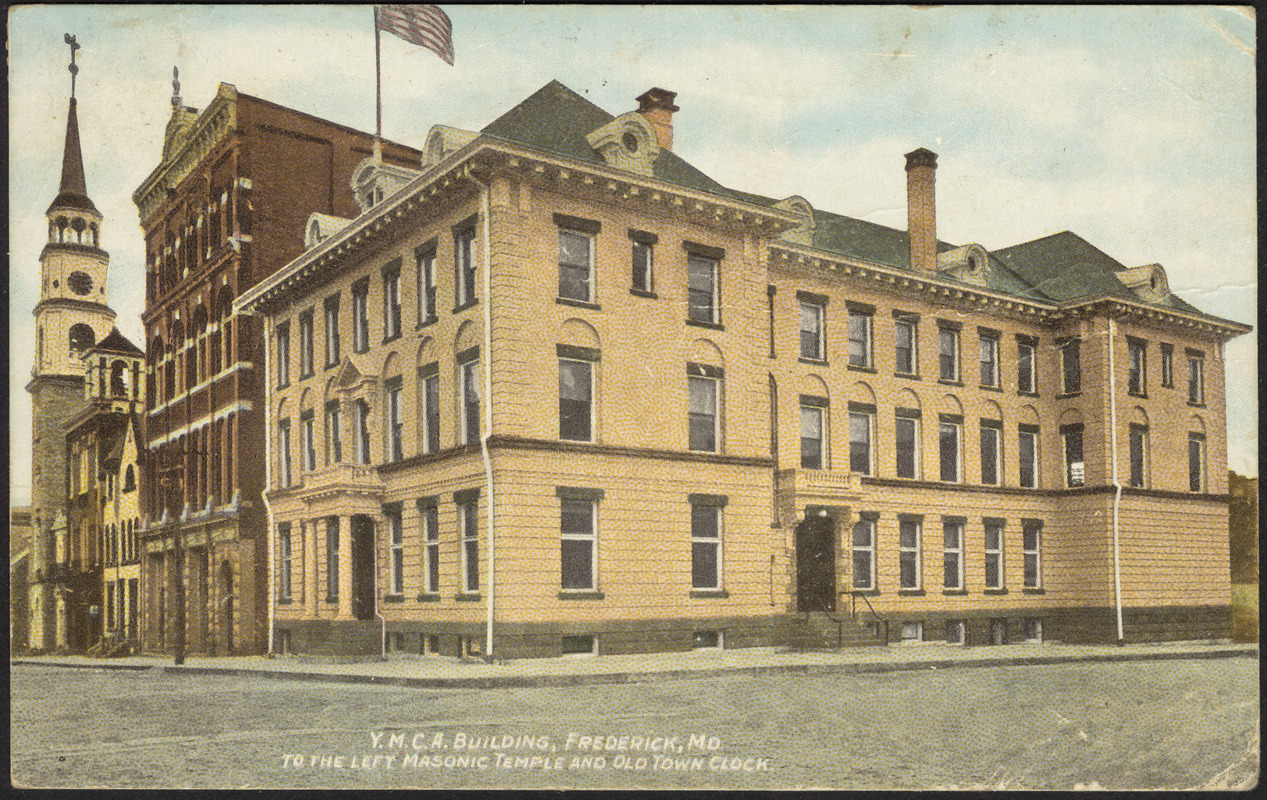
[560, 388]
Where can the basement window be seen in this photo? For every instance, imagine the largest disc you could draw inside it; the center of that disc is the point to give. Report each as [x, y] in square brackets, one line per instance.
[708, 640]
[912, 632]
[580, 646]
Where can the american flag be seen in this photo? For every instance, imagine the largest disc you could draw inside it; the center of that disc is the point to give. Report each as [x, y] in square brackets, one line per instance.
[426, 26]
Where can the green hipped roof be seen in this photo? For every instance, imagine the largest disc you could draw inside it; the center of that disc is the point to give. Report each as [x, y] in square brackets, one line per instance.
[1061, 267]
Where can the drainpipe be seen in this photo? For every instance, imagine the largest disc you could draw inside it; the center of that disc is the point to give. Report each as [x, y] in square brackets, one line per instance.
[1117, 484]
[378, 607]
[488, 408]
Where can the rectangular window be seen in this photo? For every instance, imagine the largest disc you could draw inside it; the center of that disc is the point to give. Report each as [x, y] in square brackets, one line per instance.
[1139, 455]
[468, 519]
[575, 266]
[431, 537]
[283, 355]
[1032, 551]
[360, 316]
[911, 632]
[334, 437]
[904, 334]
[576, 400]
[1196, 379]
[332, 330]
[954, 631]
[305, 344]
[643, 261]
[812, 318]
[703, 413]
[396, 555]
[110, 606]
[860, 441]
[705, 546]
[811, 437]
[431, 410]
[464, 264]
[283, 453]
[1071, 366]
[907, 446]
[949, 440]
[1026, 382]
[361, 414]
[579, 543]
[701, 278]
[395, 428]
[426, 284]
[994, 554]
[391, 301]
[1075, 468]
[1032, 629]
[1167, 366]
[864, 554]
[909, 554]
[948, 354]
[1136, 361]
[470, 380]
[283, 561]
[1196, 462]
[579, 646]
[708, 640]
[989, 357]
[990, 452]
[307, 442]
[952, 554]
[859, 339]
[1027, 454]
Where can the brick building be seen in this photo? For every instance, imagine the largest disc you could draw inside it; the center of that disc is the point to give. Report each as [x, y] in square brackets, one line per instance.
[224, 208]
[70, 317]
[561, 388]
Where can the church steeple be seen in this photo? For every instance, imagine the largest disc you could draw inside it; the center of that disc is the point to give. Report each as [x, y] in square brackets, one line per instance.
[73, 192]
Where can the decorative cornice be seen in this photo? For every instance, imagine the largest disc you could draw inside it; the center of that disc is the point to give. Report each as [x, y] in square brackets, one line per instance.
[210, 127]
[75, 305]
[74, 249]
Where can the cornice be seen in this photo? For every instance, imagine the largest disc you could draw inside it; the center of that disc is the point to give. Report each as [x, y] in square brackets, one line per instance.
[1125, 308]
[75, 249]
[76, 305]
[207, 130]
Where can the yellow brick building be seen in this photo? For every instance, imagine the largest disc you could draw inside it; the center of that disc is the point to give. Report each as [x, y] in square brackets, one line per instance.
[560, 388]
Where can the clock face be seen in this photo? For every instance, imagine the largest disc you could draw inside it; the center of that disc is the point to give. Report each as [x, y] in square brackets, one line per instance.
[79, 283]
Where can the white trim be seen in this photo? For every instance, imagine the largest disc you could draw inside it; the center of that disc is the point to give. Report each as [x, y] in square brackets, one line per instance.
[176, 433]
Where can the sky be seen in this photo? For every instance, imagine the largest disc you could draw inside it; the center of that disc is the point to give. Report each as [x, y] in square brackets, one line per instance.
[1133, 126]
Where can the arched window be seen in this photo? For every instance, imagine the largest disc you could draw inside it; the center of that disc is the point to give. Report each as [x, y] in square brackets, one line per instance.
[81, 337]
[119, 378]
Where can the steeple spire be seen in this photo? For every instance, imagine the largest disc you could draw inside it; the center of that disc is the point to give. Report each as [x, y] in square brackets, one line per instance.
[73, 193]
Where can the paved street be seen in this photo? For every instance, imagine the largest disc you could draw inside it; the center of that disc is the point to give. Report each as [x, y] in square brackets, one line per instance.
[1163, 724]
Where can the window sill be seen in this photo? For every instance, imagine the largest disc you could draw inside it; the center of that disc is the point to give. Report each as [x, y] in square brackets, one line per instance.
[954, 591]
[1195, 405]
[468, 598]
[911, 592]
[393, 598]
[331, 366]
[1168, 385]
[1023, 393]
[1067, 395]
[332, 599]
[581, 595]
[429, 321]
[568, 301]
[994, 591]
[710, 593]
[359, 350]
[910, 376]
[286, 385]
[1033, 591]
[644, 293]
[306, 375]
[856, 368]
[818, 362]
[387, 339]
[1140, 395]
[426, 597]
[284, 601]
[986, 388]
[949, 382]
[717, 326]
[466, 305]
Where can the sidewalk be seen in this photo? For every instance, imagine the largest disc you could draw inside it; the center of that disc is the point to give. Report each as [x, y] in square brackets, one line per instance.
[440, 672]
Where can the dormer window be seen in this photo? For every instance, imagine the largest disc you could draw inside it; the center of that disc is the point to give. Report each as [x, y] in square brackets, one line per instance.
[630, 142]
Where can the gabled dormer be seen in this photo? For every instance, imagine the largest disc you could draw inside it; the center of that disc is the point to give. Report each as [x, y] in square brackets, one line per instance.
[969, 263]
[321, 227]
[443, 141]
[1147, 282]
[373, 181]
[628, 142]
[803, 233]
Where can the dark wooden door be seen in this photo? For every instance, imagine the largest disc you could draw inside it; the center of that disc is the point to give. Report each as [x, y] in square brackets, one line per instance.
[816, 565]
[362, 567]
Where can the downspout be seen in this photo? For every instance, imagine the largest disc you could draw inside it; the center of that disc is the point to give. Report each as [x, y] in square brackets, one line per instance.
[268, 471]
[378, 607]
[487, 360]
[1117, 485]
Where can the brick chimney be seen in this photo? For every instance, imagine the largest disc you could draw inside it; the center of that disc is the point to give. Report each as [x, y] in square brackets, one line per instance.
[657, 106]
[921, 209]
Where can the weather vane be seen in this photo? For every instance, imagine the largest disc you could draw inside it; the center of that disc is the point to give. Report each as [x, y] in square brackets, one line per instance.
[74, 70]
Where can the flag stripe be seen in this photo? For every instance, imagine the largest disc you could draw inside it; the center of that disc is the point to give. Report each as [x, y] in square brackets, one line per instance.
[423, 25]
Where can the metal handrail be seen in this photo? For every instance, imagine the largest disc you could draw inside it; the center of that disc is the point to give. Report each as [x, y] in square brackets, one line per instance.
[854, 594]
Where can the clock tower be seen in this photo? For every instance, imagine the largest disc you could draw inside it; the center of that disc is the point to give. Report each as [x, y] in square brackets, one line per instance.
[70, 317]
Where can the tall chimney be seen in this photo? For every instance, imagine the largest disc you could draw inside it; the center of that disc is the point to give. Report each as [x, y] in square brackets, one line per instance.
[657, 106]
[921, 209]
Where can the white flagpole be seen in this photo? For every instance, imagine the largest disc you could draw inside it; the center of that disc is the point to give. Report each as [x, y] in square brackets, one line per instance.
[378, 89]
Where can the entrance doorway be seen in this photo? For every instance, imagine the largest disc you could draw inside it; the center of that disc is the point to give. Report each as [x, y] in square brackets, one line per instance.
[816, 564]
[226, 593]
[362, 567]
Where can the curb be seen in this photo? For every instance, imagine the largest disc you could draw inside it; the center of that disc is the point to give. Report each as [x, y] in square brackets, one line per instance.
[520, 681]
